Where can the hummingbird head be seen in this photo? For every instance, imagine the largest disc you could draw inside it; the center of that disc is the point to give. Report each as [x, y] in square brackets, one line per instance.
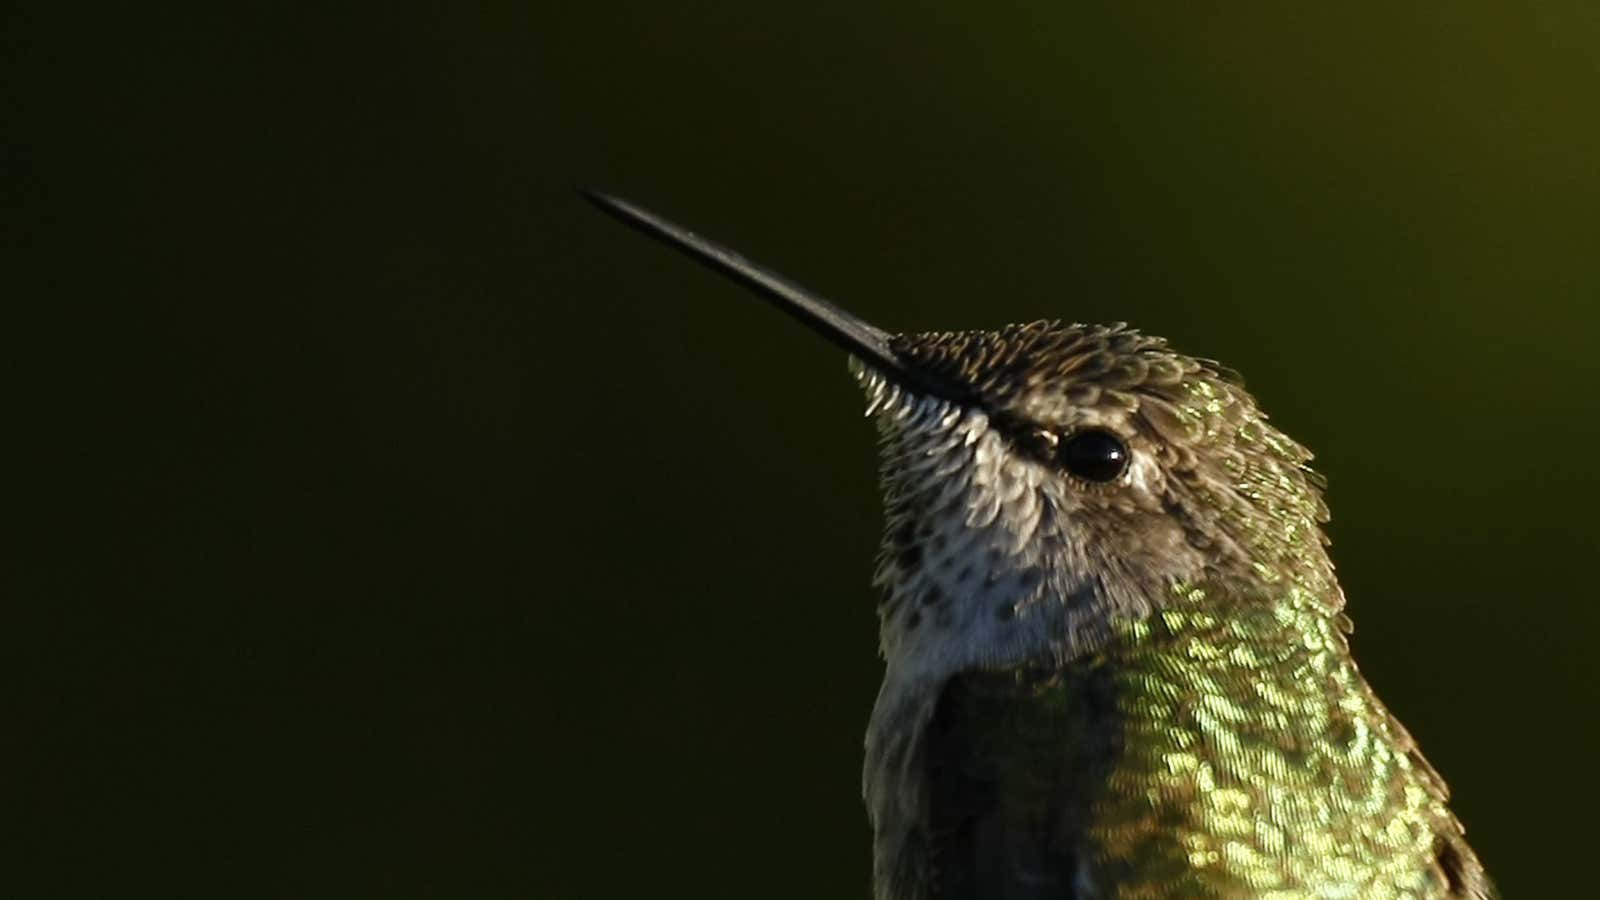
[1044, 482]
[1064, 477]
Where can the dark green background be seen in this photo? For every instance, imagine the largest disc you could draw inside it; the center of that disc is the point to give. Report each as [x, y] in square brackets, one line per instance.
[387, 523]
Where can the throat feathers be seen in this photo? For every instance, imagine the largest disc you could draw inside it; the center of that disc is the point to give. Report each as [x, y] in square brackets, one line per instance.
[1116, 656]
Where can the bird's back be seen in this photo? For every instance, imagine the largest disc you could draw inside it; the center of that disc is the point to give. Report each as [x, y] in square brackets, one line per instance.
[1215, 750]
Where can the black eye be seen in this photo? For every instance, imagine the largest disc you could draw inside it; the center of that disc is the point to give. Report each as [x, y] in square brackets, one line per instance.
[1094, 455]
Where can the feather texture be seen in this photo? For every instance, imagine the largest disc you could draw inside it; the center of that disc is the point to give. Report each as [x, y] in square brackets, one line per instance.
[1139, 687]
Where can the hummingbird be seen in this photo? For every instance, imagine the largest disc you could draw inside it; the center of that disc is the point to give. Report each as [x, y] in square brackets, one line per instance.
[1116, 657]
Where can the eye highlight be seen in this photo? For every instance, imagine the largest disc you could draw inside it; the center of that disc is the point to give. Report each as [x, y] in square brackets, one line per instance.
[1093, 455]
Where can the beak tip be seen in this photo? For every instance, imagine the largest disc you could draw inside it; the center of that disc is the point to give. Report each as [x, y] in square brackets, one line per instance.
[599, 198]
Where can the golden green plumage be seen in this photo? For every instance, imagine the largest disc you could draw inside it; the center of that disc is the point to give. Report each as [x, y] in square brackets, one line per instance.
[1222, 748]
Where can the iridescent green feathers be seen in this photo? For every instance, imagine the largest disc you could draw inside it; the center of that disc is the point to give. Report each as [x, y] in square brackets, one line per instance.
[1222, 749]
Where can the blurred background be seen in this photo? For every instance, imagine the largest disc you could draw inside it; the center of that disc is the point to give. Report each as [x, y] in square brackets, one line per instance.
[387, 523]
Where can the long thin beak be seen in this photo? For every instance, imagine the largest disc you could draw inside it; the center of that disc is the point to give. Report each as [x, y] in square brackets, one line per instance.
[866, 342]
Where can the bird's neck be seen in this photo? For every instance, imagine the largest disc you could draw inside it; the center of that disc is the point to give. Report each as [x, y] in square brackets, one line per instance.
[1229, 741]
